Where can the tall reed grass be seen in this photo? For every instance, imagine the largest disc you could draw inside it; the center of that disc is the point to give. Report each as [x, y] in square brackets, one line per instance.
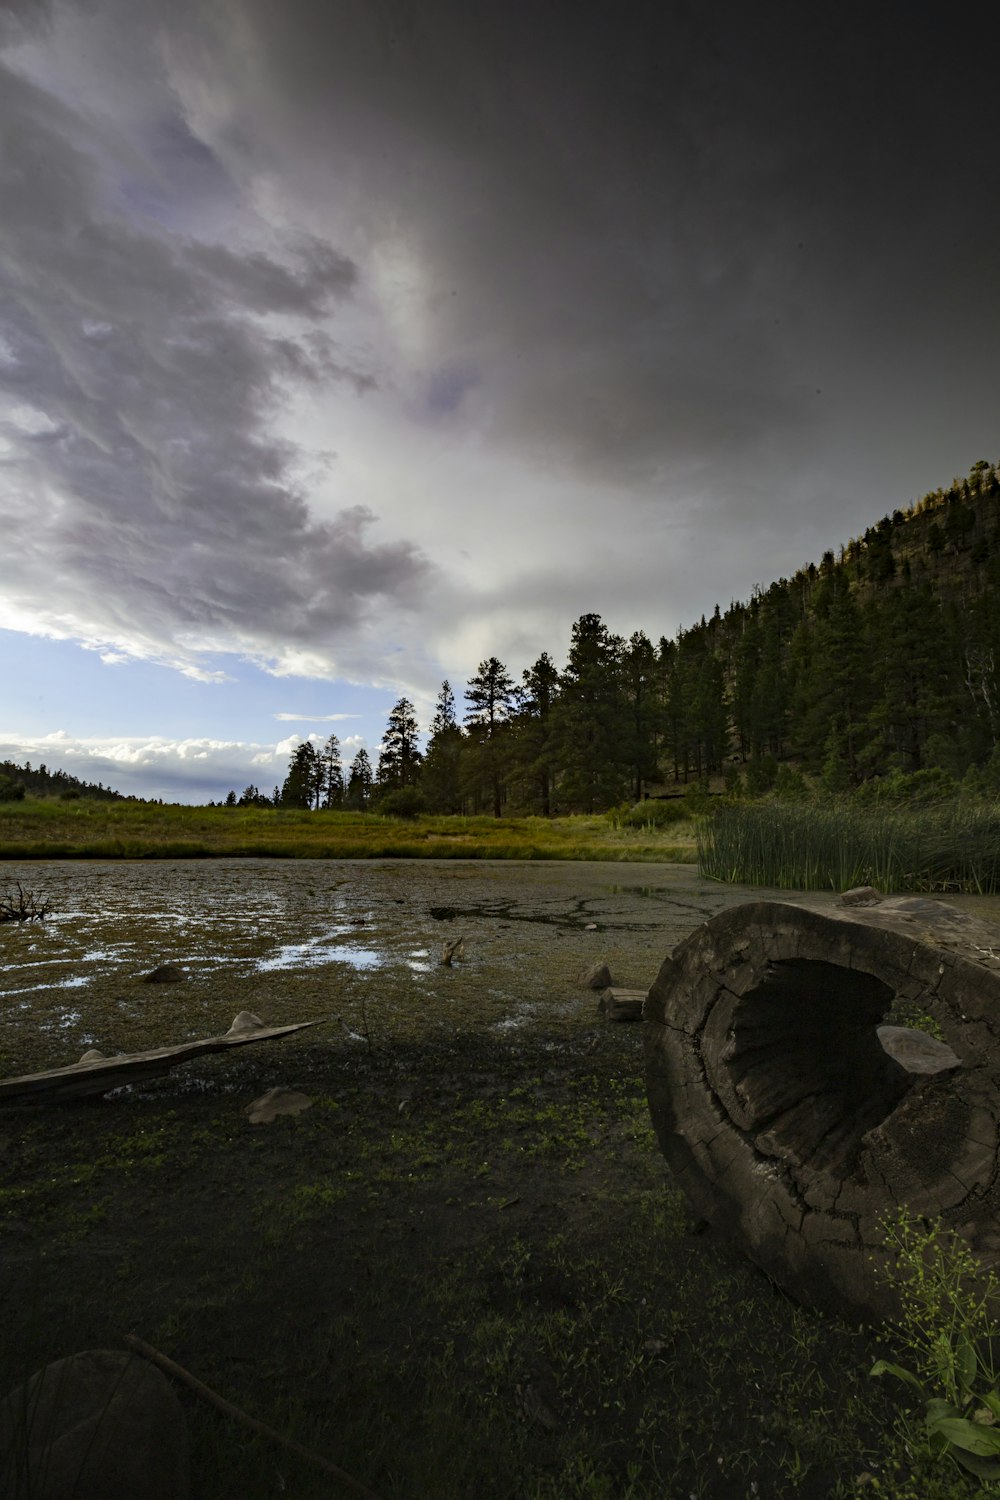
[952, 846]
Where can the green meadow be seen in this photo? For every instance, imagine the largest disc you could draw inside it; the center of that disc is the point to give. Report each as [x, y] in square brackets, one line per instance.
[48, 828]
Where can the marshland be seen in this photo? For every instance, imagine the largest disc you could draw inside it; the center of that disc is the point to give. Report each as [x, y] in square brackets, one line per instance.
[464, 1269]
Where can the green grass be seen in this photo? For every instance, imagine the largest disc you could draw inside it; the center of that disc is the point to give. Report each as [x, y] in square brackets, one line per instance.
[41, 828]
[949, 847]
[435, 1328]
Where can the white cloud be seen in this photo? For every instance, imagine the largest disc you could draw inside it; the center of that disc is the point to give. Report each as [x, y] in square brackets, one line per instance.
[183, 770]
[315, 718]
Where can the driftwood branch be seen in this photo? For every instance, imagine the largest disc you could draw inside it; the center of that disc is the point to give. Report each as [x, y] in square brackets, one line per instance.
[795, 1119]
[22, 907]
[228, 1409]
[96, 1074]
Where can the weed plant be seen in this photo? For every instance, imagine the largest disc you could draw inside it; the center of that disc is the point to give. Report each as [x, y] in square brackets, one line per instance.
[948, 1334]
[952, 846]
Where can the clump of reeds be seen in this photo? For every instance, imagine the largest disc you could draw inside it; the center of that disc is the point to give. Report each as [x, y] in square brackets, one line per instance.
[953, 846]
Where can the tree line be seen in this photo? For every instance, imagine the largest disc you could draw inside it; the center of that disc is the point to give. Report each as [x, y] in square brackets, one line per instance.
[16, 780]
[883, 660]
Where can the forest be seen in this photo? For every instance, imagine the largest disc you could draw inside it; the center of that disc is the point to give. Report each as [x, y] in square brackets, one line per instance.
[875, 668]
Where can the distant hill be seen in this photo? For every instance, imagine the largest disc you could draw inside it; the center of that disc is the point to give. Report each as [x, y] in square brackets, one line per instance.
[16, 780]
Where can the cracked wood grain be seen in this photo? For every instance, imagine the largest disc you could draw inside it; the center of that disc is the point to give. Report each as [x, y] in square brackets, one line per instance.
[792, 1123]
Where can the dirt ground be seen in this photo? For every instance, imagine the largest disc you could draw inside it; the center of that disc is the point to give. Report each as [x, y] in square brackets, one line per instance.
[464, 1271]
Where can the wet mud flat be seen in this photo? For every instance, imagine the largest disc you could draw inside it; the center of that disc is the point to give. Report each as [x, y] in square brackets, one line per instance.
[298, 940]
[465, 1269]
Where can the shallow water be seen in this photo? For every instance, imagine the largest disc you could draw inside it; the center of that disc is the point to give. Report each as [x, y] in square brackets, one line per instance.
[301, 939]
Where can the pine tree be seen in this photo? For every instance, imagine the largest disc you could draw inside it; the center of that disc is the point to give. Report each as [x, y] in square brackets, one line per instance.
[534, 747]
[441, 776]
[301, 785]
[490, 696]
[589, 717]
[359, 782]
[642, 727]
[330, 775]
[399, 758]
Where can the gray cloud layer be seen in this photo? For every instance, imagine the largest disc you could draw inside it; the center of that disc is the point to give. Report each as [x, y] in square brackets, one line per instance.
[730, 266]
[146, 494]
[714, 255]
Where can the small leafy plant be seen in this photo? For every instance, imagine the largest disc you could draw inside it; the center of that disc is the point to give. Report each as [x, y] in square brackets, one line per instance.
[948, 1304]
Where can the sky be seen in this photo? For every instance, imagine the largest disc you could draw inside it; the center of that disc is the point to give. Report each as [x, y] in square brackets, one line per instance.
[344, 345]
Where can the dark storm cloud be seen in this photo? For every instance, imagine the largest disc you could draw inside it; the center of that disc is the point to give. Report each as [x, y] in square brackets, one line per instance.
[688, 274]
[660, 232]
[149, 500]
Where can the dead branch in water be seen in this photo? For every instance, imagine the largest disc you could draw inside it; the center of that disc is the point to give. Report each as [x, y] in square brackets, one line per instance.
[24, 907]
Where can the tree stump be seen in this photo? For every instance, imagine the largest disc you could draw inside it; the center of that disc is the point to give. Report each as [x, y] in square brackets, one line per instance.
[791, 1124]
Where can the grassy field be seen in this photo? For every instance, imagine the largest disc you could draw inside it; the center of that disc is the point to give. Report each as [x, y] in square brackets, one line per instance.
[42, 828]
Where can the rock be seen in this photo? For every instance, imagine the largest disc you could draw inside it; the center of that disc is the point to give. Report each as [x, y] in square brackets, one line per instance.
[165, 974]
[275, 1102]
[92, 1056]
[861, 895]
[95, 1426]
[796, 1120]
[621, 1005]
[597, 977]
[917, 1051]
[245, 1021]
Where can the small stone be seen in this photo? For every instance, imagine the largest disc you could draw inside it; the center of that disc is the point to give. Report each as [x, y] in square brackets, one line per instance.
[861, 895]
[165, 974]
[245, 1021]
[92, 1426]
[917, 1051]
[597, 977]
[92, 1056]
[275, 1102]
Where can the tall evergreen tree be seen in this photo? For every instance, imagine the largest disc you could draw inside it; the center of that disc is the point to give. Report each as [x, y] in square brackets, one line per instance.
[360, 781]
[490, 696]
[302, 783]
[534, 746]
[399, 759]
[917, 673]
[331, 774]
[590, 719]
[441, 776]
[641, 730]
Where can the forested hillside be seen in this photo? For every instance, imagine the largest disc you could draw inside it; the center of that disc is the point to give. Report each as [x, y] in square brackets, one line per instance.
[880, 659]
[16, 780]
[883, 658]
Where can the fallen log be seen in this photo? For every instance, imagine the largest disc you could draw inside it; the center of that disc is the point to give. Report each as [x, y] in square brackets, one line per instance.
[96, 1074]
[794, 1118]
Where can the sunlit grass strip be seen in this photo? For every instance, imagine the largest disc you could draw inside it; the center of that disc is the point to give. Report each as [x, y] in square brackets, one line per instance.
[834, 846]
[44, 829]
